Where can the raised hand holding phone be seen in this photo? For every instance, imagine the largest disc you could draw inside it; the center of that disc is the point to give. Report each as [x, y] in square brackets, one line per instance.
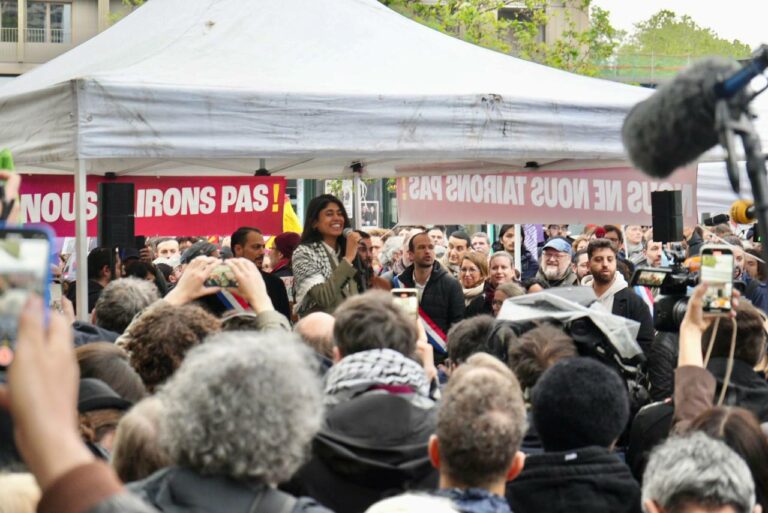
[24, 271]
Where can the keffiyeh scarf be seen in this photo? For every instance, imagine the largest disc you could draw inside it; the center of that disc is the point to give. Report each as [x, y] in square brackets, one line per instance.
[359, 372]
[311, 266]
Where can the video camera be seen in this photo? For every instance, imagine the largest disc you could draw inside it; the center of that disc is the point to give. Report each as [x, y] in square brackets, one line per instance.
[597, 333]
[672, 282]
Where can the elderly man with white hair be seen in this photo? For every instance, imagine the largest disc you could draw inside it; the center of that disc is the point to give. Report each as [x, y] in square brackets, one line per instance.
[238, 417]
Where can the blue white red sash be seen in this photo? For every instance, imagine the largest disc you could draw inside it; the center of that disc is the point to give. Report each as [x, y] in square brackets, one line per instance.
[435, 335]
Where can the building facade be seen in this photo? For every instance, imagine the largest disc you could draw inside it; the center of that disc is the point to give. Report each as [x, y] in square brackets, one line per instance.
[33, 32]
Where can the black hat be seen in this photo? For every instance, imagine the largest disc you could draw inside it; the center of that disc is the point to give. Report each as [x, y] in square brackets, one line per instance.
[201, 248]
[579, 402]
[94, 394]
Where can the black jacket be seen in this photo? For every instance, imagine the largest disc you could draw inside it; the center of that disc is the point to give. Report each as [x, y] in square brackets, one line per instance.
[94, 291]
[627, 304]
[586, 480]
[178, 490]
[371, 447]
[442, 299]
[651, 426]
[277, 293]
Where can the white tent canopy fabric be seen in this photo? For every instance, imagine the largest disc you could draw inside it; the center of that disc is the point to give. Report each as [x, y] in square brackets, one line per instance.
[186, 86]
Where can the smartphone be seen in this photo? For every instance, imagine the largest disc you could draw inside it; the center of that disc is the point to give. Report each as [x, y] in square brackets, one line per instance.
[408, 300]
[141, 242]
[222, 276]
[717, 271]
[25, 268]
[55, 293]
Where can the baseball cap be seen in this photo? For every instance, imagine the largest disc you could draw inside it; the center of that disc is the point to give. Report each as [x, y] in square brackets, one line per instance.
[558, 244]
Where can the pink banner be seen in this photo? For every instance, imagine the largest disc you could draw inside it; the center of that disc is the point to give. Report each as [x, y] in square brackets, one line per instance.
[600, 196]
[177, 206]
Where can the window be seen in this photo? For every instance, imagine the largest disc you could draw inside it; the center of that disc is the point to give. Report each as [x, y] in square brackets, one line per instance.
[49, 22]
[9, 19]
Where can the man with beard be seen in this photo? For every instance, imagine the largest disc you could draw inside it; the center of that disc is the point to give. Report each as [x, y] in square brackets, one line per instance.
[581, 264]
[248, 243]
[441, 300]
[555, 267]
[612, 291]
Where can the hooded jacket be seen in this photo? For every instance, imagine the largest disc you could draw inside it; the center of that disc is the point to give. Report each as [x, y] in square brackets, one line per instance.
[373, 443]
[589, 479]
[624, 302]
[442, 299]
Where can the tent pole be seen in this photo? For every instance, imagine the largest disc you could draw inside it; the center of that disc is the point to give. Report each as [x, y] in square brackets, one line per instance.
[518, 247]
[357, 170]
[81, 240]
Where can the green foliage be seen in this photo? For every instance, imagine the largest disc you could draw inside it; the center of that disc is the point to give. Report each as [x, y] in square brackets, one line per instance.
[475, 21]
[666, 33]
[577, 49]
[128, 6]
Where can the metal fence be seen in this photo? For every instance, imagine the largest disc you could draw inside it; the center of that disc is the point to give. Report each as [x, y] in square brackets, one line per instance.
[644, 68]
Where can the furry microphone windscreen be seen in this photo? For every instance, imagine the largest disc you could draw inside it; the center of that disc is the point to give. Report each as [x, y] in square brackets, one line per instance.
[677, 123]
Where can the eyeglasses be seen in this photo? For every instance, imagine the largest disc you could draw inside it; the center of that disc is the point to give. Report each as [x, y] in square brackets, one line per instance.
[469, 271]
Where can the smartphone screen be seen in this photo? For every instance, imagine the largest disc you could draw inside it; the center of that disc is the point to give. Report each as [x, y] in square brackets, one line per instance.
[408, 300]
[24, 269]
[717, 272]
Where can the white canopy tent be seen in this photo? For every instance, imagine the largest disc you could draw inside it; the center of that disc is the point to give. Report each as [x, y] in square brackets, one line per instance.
[194, 87]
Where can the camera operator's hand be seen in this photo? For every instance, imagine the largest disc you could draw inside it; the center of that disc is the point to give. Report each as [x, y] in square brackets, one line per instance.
[191, 285]
[42, 396]
[250, 284]
[695, 323]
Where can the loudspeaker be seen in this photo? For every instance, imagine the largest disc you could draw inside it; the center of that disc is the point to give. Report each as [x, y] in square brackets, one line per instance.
[116, 202]
[667, 215]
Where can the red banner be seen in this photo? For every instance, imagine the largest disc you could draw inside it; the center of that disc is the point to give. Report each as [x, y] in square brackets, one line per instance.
[173, 206]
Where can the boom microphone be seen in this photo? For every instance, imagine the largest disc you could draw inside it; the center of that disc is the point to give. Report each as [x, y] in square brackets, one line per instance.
[743, 212]
[676, 124]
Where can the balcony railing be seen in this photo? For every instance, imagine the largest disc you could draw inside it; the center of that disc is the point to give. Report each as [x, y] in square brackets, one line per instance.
[9, 35]
[38, 35]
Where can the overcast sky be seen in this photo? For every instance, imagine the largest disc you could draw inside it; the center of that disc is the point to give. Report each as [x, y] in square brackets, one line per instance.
[746, 20]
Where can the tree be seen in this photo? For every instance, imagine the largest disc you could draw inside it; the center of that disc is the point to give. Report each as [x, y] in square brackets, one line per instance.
[666, 33]
[478, 22]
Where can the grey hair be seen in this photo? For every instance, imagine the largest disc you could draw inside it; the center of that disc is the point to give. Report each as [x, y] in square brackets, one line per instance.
[390, 246]
[483, 235]
[121, 301]
[244, 405]
[502, 254]
[698, 470]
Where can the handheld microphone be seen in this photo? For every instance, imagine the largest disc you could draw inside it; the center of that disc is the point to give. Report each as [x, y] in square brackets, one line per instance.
[676, 124]
[347, 231]
[743, 212]
[718, 219]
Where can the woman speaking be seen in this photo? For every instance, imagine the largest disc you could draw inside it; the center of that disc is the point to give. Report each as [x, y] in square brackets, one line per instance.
[323, 266]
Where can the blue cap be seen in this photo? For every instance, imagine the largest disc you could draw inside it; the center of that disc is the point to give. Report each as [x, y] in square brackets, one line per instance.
[558, 244]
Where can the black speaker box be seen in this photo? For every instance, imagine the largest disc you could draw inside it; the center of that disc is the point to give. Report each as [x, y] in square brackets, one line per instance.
[116, 218]
[667, 215]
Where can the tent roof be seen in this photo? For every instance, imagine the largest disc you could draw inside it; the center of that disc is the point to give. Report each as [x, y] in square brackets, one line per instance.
[187, 86]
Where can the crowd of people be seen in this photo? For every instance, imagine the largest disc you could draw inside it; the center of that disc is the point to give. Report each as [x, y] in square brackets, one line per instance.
[291, 381]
